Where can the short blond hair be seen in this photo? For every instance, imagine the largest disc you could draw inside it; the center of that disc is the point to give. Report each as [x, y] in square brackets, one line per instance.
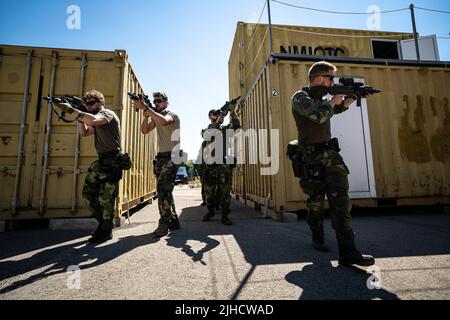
[319, 68]
[94, 95]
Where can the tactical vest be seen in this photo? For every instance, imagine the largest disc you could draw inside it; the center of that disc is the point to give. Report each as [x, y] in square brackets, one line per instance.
[311, 132]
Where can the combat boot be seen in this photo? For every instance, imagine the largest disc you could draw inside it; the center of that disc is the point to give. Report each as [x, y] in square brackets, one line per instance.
[349, 255]
[162, 230]
[318, 239]
[208, 216]
[318, 243]
[96, 232]
[225, 220]
[101, 237]
[175, 225]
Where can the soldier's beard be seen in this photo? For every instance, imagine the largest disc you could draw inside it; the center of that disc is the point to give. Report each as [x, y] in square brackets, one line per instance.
[95, 111]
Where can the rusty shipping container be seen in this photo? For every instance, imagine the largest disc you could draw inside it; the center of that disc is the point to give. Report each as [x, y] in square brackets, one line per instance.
[397, 144]
[43, 161]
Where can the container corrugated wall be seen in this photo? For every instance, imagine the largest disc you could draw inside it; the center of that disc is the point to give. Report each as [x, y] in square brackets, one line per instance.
[409, 130]
[251, 47]
[248, 180]
[51, 173]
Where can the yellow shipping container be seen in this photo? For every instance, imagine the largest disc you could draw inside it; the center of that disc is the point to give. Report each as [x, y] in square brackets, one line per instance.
[397, 143]
[43, 160]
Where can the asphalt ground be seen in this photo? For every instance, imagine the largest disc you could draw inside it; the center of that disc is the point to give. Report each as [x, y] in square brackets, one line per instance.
[255, 259]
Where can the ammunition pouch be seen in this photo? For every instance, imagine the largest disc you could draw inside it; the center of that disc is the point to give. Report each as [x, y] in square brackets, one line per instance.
[125, 162]
[296, 155]
[114, 163]
[334, 143]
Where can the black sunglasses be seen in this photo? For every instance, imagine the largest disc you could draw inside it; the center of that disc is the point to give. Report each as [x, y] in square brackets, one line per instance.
[158, 101]
[331, 78]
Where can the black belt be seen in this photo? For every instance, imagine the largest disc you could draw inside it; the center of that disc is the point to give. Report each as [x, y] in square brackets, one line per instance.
[333, 143]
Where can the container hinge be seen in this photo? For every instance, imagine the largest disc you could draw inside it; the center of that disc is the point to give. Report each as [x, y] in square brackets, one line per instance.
[55, 60]
[84, 61]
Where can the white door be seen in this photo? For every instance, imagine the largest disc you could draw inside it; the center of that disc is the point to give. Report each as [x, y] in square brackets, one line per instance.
[352, 130]
[428, 49]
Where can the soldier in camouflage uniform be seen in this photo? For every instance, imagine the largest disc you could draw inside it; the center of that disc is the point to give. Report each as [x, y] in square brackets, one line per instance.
[203, 168]
[101, 185]
[323, 171]
[218, 176]
[165, 168]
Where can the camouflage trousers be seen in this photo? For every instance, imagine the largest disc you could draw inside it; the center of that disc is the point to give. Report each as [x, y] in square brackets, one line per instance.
[327, 175]
[202, 181]
[217, 194]
[218, 180]
[166, 173]
[100, 191]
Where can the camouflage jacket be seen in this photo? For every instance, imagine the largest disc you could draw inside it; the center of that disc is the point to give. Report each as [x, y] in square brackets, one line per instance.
[312, 117]
[234, 124]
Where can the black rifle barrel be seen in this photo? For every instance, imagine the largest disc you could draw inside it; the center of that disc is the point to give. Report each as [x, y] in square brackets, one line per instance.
[138, 97]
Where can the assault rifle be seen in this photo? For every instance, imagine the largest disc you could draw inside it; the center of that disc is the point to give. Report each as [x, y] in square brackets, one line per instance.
[138, 97]
[348, 87]
[75, 102]
[222, 112]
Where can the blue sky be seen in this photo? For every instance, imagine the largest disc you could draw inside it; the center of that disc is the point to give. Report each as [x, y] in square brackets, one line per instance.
[181, 46]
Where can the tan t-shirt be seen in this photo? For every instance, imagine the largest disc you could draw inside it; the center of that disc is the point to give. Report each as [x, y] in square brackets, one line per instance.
[165, 143]
[107, 137]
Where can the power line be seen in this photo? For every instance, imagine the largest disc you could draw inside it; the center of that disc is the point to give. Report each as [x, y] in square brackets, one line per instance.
[337, 12]
[432, 10]
[256, 29]
[257, 55]
[342, 35]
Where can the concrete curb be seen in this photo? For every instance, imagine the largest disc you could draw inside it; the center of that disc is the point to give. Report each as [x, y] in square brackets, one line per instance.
[72, 224]
[289, 217]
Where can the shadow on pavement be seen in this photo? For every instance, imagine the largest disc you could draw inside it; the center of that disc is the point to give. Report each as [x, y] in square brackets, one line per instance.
[321, 281]
[74, 254]
[262, 242]
[18, 242]
[265, 242]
